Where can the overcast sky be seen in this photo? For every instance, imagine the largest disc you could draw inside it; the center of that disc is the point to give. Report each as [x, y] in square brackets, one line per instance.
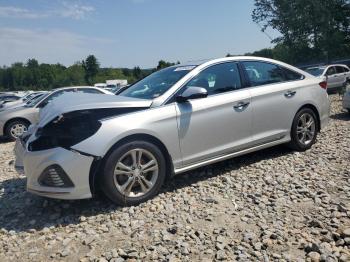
[126, 33]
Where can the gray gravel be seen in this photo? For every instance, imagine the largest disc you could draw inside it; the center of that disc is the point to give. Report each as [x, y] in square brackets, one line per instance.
[272, 205]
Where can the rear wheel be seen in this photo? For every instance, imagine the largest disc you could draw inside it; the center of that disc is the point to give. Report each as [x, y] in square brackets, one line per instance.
[133, 173]
[16, 129]
[304, 130]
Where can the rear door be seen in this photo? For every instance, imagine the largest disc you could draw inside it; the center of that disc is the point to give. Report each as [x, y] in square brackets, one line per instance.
[332, 78]
[341, 75]
[274, 91]
[347, 72]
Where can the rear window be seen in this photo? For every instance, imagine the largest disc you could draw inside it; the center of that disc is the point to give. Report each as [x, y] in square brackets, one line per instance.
[315, 71]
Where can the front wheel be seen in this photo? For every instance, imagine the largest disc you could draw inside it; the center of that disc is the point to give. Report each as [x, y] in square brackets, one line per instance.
[304, 130]
[16, 129]
[133, 173]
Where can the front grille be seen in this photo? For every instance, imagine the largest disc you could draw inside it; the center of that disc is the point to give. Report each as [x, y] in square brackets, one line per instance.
[54, 176]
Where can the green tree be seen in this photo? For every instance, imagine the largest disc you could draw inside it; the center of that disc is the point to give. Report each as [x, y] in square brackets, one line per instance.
[310, 29]
[137, 73]
[163, 64]
[91, 67]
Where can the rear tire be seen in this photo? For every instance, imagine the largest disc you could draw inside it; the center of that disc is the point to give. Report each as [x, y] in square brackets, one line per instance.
[133, 173]
[304, 130]
[15, 129]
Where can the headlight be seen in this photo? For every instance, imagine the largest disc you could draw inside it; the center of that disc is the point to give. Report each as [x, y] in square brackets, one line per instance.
[66, 130]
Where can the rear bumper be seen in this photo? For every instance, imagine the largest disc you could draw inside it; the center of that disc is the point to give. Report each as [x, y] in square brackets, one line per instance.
[76, 166]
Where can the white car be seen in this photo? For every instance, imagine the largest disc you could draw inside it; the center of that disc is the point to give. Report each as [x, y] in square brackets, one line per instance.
[337, 75]
[16, 120]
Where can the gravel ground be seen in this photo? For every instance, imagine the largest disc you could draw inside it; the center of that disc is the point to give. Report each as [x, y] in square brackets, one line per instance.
[272, 205]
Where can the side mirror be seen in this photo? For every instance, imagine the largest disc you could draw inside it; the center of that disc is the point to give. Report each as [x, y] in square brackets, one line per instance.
[192, 92]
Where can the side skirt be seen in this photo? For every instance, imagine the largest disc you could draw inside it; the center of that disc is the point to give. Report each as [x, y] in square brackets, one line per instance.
[231, 155]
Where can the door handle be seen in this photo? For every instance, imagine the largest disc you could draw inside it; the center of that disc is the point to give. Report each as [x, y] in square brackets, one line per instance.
[290, 94]
[241, 105]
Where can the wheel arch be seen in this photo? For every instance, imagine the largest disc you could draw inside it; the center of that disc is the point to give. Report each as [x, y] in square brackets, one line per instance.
[97, 166]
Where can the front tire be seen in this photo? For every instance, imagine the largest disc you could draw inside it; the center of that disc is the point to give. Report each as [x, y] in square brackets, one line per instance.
[16, 129]
[304, 130]
[133, 173]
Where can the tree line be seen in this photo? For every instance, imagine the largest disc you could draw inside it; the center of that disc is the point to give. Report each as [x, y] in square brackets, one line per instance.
[35, 76]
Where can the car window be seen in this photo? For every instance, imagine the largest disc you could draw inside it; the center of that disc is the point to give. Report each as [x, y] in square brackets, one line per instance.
[291, 75]
[55, 95]
[156, 84]
[339, 69]
[315, 71]
[346, 69]
[89, 91]
[331, 71]
[261, 73]
[218, 78]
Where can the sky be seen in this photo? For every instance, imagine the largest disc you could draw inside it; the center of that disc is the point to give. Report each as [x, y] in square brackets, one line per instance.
[127, 33]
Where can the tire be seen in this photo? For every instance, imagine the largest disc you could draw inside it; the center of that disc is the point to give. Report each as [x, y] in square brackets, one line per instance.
[120, 168]
[298, 131]
[15, 129]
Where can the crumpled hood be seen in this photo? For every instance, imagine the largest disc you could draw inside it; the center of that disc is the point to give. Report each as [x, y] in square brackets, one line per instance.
[79, 101]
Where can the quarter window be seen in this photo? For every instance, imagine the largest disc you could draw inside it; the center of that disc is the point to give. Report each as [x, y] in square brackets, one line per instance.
[291, 75]
[261, 73]
[218, 79]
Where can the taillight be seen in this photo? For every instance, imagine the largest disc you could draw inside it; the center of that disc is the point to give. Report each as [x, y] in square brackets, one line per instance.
[323, 84]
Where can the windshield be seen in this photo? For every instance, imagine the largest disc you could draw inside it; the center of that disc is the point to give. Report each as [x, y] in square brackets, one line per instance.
[316, 71]
[35, 100]
[157, 83]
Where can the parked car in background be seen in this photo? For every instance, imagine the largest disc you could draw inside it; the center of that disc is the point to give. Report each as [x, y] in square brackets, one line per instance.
[8, 98]
[337, 75]
[12, 105]
[346, 99]
[176, 119]
[15, 121]
[22, 100]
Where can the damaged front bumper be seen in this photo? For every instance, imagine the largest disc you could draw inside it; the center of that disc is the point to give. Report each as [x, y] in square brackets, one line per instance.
[55, 173]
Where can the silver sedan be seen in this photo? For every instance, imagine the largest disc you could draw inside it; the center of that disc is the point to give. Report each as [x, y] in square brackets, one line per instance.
[175, 120]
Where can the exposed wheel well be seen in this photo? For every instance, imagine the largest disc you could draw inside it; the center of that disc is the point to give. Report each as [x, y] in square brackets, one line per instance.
[314, 109]
[15, 119]
[94, 181]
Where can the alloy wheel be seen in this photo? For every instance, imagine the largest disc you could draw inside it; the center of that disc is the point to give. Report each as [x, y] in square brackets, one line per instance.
[306, 129]
[136, 173]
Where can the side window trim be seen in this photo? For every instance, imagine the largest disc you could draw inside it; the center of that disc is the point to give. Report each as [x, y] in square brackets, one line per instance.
[181, 88]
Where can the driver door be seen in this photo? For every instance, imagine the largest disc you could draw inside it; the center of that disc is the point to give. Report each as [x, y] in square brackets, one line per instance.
[218, 124]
